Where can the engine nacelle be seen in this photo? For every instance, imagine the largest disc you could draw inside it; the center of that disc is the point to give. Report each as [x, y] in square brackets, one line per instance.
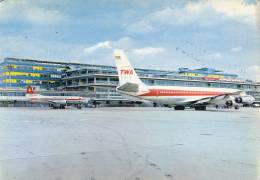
[229, 103]
[245, 99]
[238, 100]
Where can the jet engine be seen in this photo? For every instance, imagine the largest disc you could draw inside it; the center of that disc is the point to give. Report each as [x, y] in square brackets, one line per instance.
[229, 103]
[245, 99]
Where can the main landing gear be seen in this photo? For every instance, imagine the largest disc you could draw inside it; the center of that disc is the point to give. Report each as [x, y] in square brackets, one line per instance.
[179, 108]
[78, 106]
[200, 108]
[236, 107]
[197, 108]
[55, 106]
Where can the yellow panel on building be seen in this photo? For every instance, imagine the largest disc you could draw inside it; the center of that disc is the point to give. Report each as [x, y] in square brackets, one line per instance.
[51, 82]
[39, 68]
[27, 81]
[13, 66]
[215, 76]
[35, 74]
[191, 74]
[13, 81]
[61, 69]
[12, 73]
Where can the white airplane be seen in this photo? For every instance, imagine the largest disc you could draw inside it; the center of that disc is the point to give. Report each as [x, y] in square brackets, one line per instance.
[12, 99]
[175, 96]
[55, 101]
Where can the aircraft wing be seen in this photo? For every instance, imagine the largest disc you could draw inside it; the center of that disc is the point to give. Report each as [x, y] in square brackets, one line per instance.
[214, 99]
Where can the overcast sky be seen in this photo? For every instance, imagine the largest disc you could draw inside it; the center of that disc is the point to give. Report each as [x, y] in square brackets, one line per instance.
[158, 34]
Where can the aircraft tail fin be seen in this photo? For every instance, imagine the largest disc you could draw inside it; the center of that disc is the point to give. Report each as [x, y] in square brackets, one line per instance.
[29, 90]
[126, 72]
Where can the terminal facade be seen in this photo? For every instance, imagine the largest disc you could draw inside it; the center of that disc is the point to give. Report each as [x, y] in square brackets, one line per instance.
[99, 81]
[19, 73]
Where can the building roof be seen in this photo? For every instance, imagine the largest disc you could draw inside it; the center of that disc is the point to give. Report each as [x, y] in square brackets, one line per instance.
[76, 66]
[206, 70]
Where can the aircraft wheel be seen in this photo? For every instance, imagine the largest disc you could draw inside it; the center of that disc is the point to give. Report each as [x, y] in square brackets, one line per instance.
[78, 106]
[179, 108]
[236, 107]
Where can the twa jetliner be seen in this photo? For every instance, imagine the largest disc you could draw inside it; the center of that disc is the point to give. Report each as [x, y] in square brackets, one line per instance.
[56, 102]
[174, 96]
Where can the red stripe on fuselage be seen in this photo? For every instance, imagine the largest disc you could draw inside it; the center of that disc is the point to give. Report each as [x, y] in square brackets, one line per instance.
[167, 92]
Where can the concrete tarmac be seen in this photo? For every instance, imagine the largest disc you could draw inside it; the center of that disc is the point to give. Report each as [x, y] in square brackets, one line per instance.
[129, 144]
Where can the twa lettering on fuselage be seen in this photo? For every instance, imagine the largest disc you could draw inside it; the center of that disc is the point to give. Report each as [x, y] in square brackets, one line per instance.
[126, 72]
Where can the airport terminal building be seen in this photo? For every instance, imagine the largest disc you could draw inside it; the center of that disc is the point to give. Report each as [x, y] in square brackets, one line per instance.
[99, 81]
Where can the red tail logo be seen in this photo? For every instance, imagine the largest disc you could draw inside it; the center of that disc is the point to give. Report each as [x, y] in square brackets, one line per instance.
[29, 90]
[126, 72]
